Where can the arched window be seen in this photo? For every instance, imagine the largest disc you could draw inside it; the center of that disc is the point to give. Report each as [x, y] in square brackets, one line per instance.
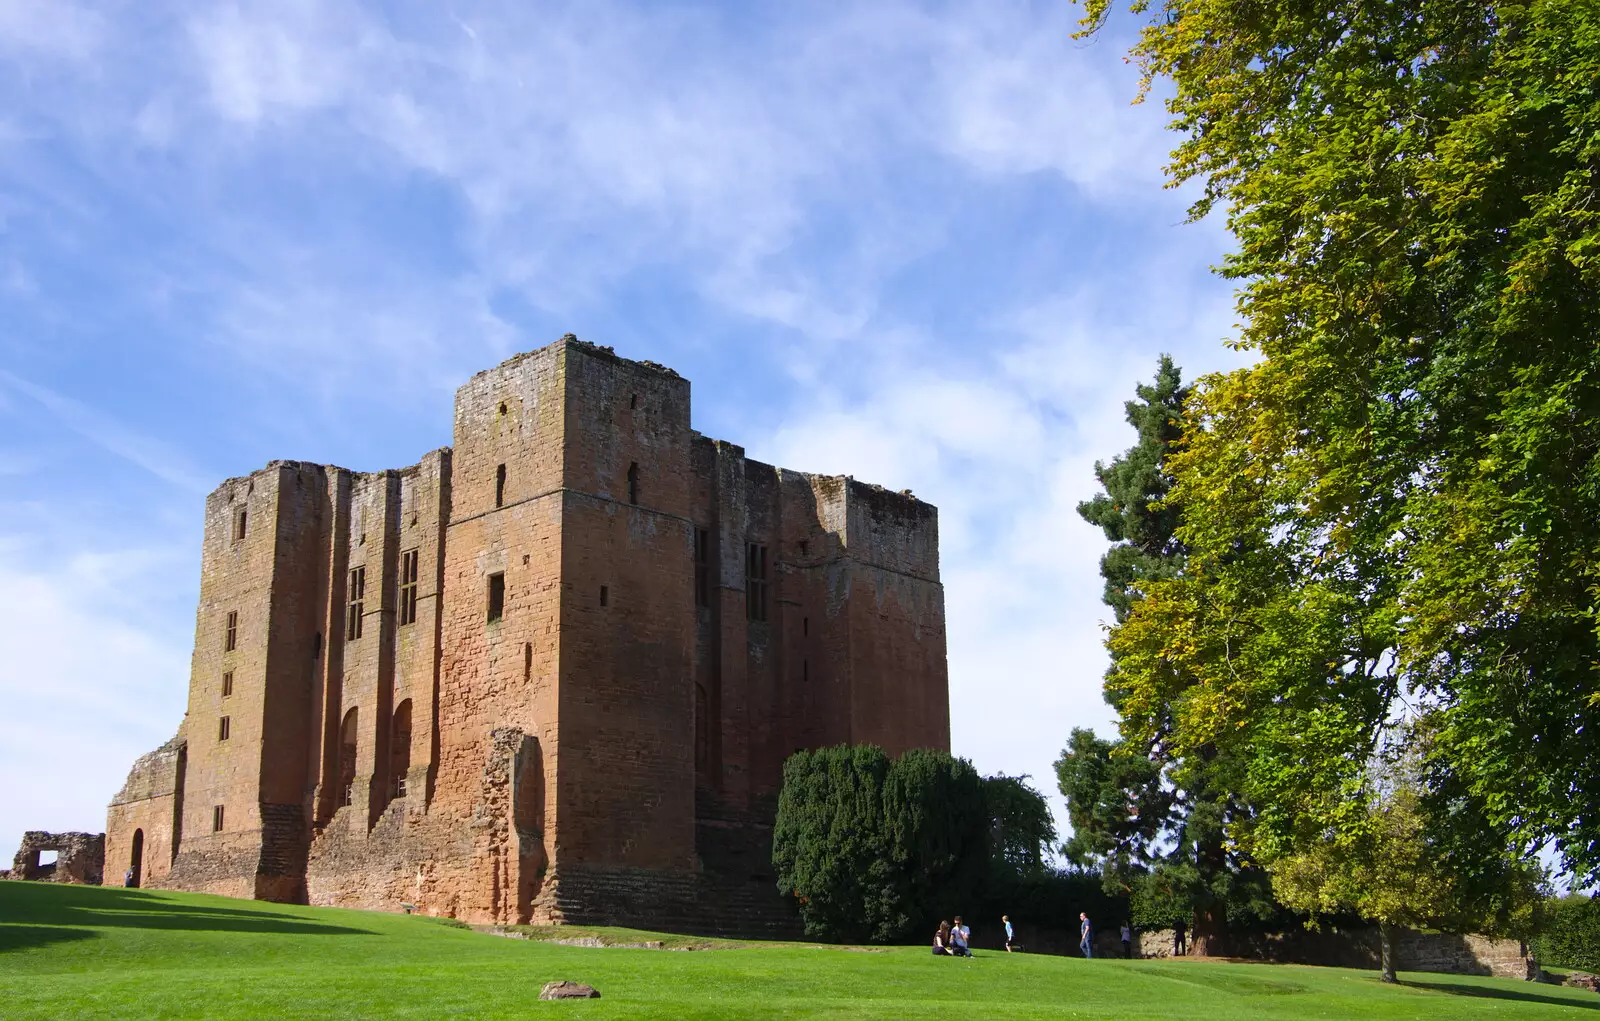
[400, 749]
[348, 736]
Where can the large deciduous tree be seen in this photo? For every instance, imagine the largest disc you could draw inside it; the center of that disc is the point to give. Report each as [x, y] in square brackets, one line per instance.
[1395, 505]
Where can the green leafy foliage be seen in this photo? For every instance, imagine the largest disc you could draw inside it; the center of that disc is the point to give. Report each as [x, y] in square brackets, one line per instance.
[1131, 511]
[875, 849]
[828, 844]
[1151, 815]
[1023, 832]
[1389, 517]
[1570, 936]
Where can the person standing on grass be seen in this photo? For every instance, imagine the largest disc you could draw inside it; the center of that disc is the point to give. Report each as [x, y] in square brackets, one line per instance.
[1127, 941]
[1086, 932]
[1010, 935]
[961, 936]
[1179, 946]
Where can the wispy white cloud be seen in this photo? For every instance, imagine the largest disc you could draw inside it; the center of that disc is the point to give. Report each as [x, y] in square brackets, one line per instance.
[90, 676]
[325, 201]
[154, 456]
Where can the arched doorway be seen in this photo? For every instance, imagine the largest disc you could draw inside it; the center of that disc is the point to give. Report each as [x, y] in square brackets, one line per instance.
[400, 749]
[136, 860]
[348, 738]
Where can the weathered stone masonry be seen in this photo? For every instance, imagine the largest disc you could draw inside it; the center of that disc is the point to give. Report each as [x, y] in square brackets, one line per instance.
[548, 674]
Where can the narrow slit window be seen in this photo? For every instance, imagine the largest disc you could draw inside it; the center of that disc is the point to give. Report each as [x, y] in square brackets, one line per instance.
[805, 671]
[755, 581]
[357, 600]
[408, 587]
[239, 525]
[805, 625]
[223, 729]
[702, 567]
[605, 595]
[497, 596]
[633, 402]
[216, 818]
[633, 482]
[227, 683]
[500, 486]
[527, 661]
[230, 641]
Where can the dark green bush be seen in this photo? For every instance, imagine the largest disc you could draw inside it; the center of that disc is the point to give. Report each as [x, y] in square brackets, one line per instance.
[1570, 934]
[881, 850]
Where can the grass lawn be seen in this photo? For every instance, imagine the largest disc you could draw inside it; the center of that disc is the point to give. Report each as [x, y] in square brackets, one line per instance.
[81, 952]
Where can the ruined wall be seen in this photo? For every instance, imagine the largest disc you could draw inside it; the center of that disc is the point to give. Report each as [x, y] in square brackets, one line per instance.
[378, 714]
[497, 685]
[142, 820]
[80, 857]
[1443, 952]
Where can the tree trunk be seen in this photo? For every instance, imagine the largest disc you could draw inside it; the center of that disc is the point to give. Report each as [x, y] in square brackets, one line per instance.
[1206, 934]
[1386, 945]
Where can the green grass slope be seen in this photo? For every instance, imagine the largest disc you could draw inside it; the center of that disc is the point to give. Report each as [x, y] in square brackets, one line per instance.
[76, 952]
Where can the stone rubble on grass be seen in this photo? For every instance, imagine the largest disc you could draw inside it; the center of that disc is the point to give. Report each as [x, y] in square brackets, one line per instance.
[564, 990]
[1583, 980]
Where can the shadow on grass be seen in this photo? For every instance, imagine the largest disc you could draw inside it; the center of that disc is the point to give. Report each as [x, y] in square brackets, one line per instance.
[92, 907]
[1532, 994]
[25, 937]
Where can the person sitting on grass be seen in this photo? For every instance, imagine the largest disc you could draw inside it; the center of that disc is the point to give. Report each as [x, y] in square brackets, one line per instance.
[959, 937]
[941, 940]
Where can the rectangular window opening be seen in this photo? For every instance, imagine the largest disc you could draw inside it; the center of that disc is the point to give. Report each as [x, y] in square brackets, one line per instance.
[356, 598]
[497, 596]
[500, 486]
[227, 683]
[633, 482]
[408, 587]
[231, 641]
[222, 729]
[605, 595]
[216, 819]
[239, 526]
[527, 661]
[702, 567]
[755, 581]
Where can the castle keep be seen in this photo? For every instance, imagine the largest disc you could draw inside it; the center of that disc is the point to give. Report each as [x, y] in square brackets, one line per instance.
[548, 674]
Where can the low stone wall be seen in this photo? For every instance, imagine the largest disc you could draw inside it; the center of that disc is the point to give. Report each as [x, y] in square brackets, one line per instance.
[80, 857]
[1442, 952]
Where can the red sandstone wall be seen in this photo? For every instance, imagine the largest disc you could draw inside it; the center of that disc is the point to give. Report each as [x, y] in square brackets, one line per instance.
[626, 783]
[552, 771]
[503, 674]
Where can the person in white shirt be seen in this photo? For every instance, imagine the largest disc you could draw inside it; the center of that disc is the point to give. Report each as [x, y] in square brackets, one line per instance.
[959, 937]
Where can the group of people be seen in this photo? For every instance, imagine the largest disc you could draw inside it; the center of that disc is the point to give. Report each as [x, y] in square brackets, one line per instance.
[955, 940]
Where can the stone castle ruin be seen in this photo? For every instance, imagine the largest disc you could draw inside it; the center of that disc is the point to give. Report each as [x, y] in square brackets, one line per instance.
[80, 857]
[549, 674]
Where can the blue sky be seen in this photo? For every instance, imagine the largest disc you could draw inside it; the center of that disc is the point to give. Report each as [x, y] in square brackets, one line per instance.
[923, 244]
